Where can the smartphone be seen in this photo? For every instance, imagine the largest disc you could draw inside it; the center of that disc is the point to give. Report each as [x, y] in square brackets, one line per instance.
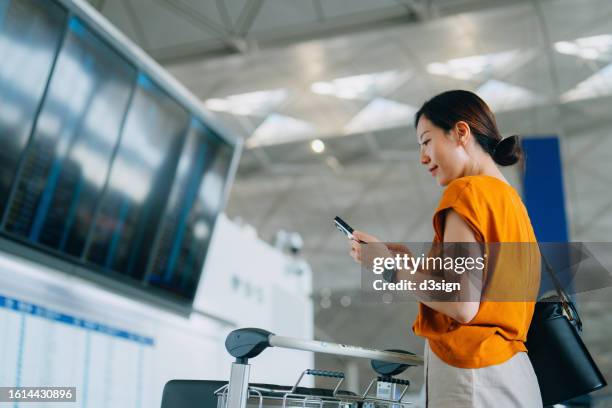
[344, 227]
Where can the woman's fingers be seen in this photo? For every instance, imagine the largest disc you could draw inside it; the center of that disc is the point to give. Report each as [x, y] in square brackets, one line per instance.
[393, 246]
[359, 238]
[364, 237]
[355, 251]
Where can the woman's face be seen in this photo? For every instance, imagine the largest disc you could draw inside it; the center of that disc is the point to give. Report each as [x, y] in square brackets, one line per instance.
[443, 153]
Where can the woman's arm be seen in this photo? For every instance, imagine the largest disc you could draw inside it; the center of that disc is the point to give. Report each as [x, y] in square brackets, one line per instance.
[455, 230]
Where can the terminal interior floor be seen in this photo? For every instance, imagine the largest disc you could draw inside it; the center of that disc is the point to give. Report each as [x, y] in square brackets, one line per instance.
[324, 94]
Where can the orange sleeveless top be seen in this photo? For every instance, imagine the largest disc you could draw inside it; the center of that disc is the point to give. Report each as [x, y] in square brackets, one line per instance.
[495, 212]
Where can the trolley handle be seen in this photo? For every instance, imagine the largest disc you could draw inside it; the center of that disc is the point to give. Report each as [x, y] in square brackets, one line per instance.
[324, 373]
[393, 380]
[250, 342]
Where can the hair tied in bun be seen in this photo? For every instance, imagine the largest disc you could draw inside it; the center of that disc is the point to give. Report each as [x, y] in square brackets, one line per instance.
[507, 151]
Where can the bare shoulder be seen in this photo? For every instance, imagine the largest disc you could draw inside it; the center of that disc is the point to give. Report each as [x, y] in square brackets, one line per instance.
[456, 229]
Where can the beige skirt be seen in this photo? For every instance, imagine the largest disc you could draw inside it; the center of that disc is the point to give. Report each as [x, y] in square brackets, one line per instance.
[510, 384]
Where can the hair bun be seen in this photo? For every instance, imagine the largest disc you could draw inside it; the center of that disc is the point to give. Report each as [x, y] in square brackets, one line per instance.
[508, 151]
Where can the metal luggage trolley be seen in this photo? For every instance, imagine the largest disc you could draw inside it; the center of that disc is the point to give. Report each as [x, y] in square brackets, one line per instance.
[247, 343]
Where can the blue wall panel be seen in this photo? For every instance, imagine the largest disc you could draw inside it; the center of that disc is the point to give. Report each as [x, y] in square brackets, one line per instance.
[543, 192]
[544, 198]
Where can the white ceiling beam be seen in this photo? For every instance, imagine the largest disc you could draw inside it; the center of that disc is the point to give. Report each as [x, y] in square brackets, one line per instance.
[423, 12]
[98, 4]
[247, 17]
[319, 10]
[138, 27]
[194, 16]
[225, 16]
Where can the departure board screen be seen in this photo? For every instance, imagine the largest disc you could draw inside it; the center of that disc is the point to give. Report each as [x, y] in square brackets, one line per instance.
[68, 159]
[30, 34]
[139, 182]
[103, 164]
[192, 208]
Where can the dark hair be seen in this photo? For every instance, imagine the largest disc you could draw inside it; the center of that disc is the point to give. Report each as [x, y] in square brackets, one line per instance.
[448, 108]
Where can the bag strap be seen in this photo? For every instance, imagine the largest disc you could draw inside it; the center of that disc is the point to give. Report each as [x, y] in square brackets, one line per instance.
[566, 303]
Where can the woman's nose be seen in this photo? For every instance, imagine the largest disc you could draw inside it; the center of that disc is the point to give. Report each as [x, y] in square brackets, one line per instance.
[424, 158]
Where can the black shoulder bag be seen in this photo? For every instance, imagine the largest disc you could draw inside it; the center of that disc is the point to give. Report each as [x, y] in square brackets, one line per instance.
[561, 361]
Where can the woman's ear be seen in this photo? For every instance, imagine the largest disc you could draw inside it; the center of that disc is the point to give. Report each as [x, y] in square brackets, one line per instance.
[462, 129]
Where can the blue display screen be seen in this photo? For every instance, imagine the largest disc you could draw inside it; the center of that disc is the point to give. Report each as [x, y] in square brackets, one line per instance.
[30, 35]
[69, 156]
[190, 213]
[100, 165]
[139, 182]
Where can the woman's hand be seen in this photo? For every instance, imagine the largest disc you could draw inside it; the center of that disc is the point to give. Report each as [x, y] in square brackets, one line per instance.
[360, 238]
[364, 237]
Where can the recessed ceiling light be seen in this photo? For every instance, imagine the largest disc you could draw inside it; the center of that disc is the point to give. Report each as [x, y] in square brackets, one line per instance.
[317, 146]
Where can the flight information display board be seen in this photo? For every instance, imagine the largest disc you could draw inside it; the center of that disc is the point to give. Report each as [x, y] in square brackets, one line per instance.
[30, 34]
[101, 165]
[191, 211]
[65, 166]
[139, 182]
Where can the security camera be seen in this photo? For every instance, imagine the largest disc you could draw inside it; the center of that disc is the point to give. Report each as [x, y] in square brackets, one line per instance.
[296, 243]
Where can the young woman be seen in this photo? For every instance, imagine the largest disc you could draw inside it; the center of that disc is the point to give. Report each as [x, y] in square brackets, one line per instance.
[475, 354]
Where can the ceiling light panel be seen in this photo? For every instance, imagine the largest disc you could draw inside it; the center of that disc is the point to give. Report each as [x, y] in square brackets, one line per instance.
[598, 47]
[597, 85]
[381, 113]
[502, 96]
[279, 128]
[364, 87]
[259, 103]
[475, 66]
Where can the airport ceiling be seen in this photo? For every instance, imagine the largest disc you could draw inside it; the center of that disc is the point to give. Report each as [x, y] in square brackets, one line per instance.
[282, 73]
[171, 30]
